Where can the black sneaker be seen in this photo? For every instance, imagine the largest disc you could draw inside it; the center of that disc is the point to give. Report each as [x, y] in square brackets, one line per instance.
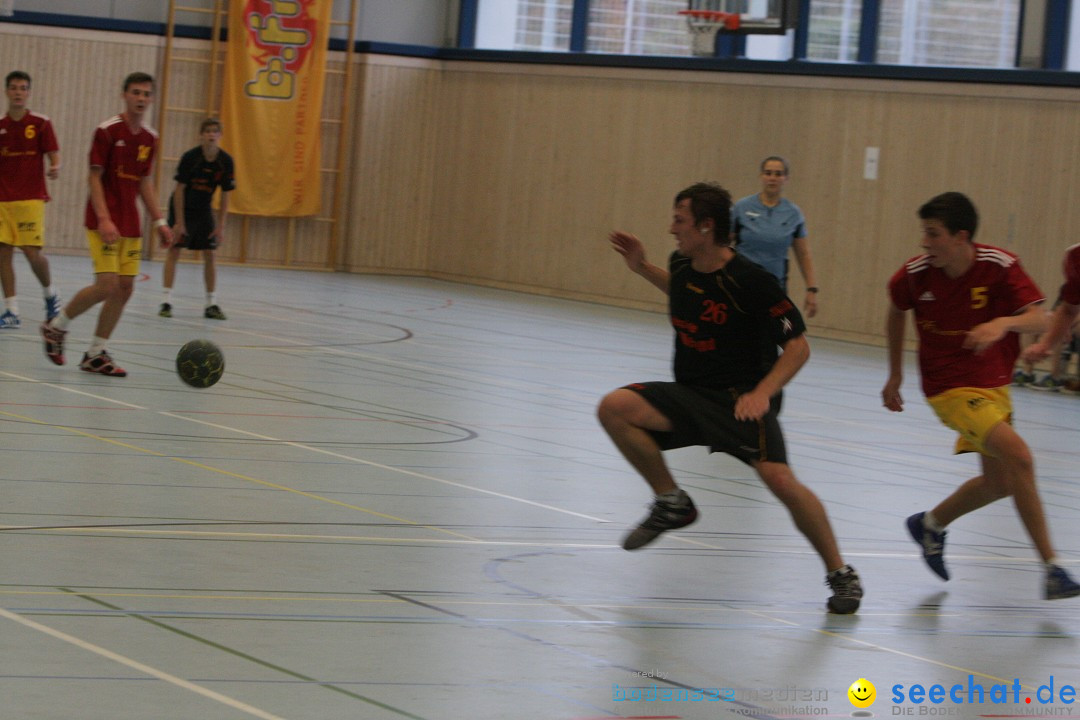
[663, 516]
[165, 310]
[932, 543]
[1059, 585]
[847, 590]
[214, 313]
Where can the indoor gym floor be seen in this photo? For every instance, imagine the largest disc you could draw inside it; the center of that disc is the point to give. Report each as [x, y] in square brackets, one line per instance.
[398, 504]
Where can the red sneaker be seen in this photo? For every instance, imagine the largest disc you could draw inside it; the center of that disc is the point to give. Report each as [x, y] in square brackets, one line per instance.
[101, 364]
[54, 343]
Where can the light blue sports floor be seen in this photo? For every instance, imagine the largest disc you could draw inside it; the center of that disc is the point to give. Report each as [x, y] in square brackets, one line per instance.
[398, 504]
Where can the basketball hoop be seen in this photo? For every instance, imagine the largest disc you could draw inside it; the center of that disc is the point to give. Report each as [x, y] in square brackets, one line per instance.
[703, 26]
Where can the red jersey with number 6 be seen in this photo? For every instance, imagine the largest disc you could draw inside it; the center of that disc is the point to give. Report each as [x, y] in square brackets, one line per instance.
[126, 158]
[947, 308]
[23, 145]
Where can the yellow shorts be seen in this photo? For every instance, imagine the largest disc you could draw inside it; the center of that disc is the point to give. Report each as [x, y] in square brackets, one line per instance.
[122, 257]
[974, 413]
[22, 223]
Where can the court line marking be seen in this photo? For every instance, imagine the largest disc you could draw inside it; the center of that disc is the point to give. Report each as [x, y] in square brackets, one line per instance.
[239, 476]
[140, 667]
[236, 653]
[300, 446]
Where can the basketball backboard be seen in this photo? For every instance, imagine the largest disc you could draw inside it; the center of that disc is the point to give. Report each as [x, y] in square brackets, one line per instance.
[746, 17]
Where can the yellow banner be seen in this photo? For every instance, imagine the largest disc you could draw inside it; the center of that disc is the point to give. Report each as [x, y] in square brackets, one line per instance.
[275, 67]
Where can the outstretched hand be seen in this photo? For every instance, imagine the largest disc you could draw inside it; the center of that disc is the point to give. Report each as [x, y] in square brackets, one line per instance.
[627, 245]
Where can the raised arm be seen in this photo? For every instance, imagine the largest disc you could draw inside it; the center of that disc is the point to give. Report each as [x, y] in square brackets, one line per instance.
[633, 253]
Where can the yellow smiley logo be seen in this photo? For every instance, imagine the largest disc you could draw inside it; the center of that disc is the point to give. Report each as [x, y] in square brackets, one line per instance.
[862, 693]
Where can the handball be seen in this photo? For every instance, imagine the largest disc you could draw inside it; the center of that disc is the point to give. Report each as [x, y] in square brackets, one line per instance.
[200, 363]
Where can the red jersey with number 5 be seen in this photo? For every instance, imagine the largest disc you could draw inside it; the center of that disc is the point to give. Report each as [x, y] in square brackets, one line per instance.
[126, 158]
[947, 308]
[23, 145]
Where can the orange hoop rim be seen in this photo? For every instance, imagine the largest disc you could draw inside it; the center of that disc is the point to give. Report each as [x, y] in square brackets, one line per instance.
[730, 21]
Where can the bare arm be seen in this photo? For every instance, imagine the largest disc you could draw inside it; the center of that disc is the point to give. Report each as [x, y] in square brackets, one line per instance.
[1060, 326]
[106, 229]
[805, 261]
[179, 227]
[148, 193]
[754, 404]
[1031, 319]
[54, 165]
[223, 213]
[633, 253]
[895, 324]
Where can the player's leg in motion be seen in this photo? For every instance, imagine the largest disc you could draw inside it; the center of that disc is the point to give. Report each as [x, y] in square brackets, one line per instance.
[168, 276]
[627, 418]
[810, 518]
[9, 318]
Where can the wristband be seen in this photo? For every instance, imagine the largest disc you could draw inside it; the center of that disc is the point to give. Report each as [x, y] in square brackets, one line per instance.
[812, 290]
[160, 222]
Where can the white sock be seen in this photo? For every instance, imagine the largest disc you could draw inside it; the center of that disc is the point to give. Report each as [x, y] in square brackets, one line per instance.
[167, 296]
[12, 304]
[97, 345]
[61, 321]
[1052, 562]
[211, 299]
[677, 496]
[48, 292]
[931, 522]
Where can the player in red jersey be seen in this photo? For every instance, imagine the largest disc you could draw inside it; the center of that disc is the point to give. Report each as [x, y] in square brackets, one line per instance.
[1066, 312]
[970, 302]
[26, 139]
[121, 157]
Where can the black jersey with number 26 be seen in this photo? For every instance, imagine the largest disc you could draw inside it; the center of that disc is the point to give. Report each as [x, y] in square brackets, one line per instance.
[728, 324]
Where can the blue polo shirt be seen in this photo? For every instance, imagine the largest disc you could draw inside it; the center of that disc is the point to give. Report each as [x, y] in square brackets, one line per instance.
[764, 234]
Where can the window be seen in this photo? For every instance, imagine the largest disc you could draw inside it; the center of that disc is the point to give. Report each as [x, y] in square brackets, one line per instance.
[833, 30]
[981, 33]
[524, 24]
[638, 27]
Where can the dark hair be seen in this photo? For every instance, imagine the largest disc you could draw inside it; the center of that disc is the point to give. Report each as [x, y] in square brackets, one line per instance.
[778, 159]
[709, 201]
[209, 123]
[954, 210]
[16, 75]
[137, 78]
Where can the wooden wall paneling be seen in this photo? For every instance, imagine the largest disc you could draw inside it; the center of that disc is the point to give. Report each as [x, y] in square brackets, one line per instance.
[392, 164]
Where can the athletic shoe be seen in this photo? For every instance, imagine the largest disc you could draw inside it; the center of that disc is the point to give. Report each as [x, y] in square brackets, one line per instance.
[54, 343]
[9, 321]
[52, 307]
[847, 590]
[1071, 387]
[165, 310]
[663, 516]
[101, 364]
[214, 313]
[1047, 383]
[932, 543]
[1059, 585]
[1022, 378]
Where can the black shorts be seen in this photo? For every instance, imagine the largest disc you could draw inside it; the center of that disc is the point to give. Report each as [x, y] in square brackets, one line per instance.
[197, 235]
[706, 416]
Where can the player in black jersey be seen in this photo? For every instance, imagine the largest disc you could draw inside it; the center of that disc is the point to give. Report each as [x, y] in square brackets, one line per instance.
[202, 170]
[731, 319]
